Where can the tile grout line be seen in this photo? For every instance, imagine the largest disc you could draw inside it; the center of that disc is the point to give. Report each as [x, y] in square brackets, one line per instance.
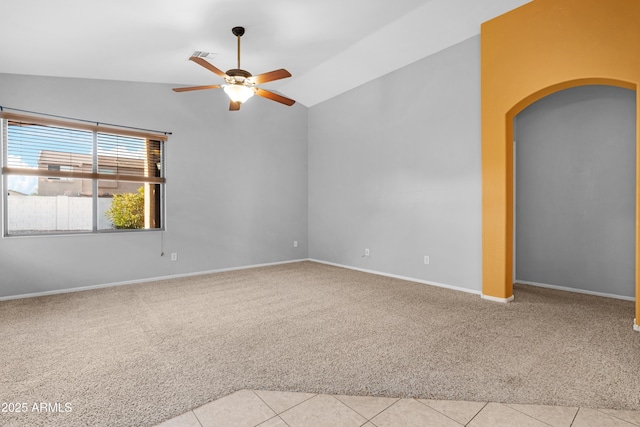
[398, 400]
[370, 422]
[349, 407]
[198, 419]
[316, 395]
[362, 415]
[357, 412]
[274, 411]
[485, 404]
[474, 417]
[441, 413]
[288, 409]
[617, 418]
[369, 419]
[575, 416]
[298, 404]
[543, 422]
[269, 419]
[263, 401]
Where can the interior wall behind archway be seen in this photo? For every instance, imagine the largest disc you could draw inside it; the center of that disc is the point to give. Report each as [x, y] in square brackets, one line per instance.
[575, 190]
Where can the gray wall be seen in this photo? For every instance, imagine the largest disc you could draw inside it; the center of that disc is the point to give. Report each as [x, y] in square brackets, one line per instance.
[575, 190]
[236, 186]
[394, 166]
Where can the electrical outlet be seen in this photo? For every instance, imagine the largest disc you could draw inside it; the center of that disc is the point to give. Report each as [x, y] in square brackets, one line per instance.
[174, 256]
[366, 252]
[295, 243]
[426, 259]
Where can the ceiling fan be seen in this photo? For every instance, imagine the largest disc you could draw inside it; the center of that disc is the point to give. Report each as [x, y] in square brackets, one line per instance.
[240, 84]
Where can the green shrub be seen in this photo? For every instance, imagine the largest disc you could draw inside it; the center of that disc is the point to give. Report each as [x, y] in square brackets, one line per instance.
[127, 210]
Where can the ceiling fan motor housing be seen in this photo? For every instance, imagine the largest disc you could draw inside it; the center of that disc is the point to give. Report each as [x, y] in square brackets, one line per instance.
[237, 75]
[236, 72]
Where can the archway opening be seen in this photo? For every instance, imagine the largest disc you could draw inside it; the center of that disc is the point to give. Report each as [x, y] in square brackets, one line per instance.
[526, 54]
[574, 202]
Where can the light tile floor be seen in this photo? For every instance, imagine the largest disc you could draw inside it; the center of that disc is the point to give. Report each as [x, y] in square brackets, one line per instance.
[253, 408]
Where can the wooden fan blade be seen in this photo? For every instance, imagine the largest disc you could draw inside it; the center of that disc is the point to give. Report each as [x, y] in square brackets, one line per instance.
[186, 89]
[234, 106]
[270, 76]
[274, 96]
[207, 65]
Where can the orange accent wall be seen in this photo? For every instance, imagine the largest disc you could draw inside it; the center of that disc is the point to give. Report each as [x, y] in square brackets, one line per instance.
[526, 54]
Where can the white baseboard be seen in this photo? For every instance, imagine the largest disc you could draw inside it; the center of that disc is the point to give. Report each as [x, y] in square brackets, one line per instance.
[496, 299]
[379, 273]
[135, 282]
[395, 276]
[578, 291]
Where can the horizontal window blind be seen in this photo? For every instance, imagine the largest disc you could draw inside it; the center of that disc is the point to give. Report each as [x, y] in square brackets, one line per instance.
[71, 176]
[60, 149]
[128, 156]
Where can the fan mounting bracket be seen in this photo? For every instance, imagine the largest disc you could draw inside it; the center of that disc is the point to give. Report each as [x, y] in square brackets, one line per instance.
[238, 31]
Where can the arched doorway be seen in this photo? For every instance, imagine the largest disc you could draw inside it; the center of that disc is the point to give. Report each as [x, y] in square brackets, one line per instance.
[528, 53]
[574, 210]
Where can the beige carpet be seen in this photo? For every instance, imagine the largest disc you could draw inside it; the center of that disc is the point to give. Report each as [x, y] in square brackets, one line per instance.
[140, 354]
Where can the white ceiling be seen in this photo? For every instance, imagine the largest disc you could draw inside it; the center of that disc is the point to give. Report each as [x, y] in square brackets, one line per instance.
[330, 46]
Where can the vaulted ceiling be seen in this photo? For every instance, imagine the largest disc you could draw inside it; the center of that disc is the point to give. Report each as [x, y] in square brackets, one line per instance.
[330, 46]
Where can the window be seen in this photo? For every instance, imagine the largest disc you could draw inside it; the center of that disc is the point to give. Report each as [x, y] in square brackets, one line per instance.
[60, 176]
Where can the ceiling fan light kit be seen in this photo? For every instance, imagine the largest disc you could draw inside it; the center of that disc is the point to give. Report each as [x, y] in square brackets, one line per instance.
[240, 84]
[238, 92]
